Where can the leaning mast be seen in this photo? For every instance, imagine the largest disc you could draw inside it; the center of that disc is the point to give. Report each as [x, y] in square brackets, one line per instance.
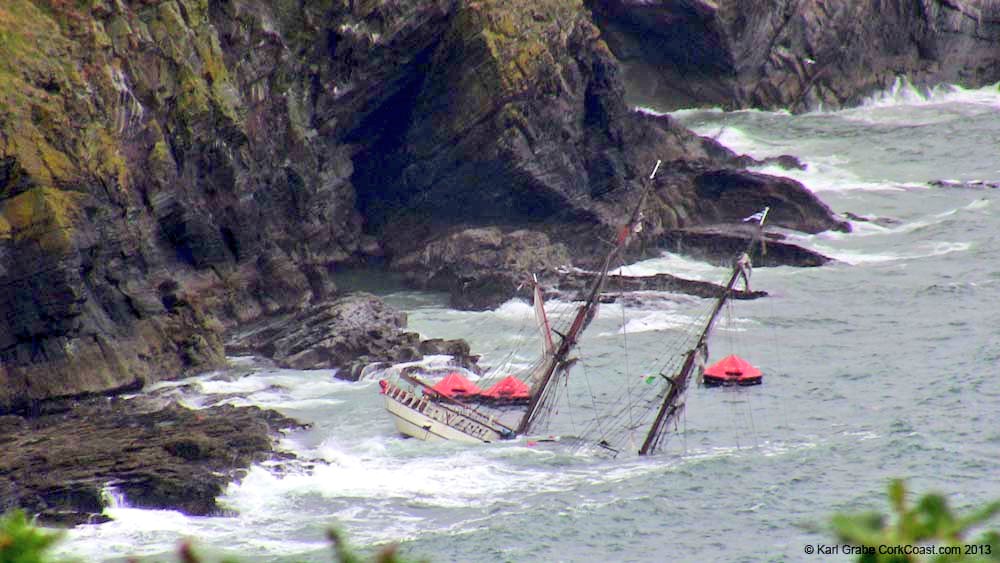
[585, 313]
[678, 384]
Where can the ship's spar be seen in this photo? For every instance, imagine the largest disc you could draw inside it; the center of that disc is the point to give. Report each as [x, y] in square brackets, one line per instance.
[559, 361]
[696, 356]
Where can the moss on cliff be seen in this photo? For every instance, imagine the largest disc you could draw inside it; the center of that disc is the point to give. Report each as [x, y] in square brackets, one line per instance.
[183, 32]
[34, 72]
[45, 215]
[498, 52]
[61, 119]
[521, 37]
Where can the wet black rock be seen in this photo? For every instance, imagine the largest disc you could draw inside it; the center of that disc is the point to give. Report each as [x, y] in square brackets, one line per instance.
[880, 221]
[481, 267]
[578, 282]
[59, 466]
[967, 184]
[796, 55]
[719, 244]
[345, 334]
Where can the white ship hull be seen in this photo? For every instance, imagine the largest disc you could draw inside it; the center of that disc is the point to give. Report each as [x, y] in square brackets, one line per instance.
[425, 419]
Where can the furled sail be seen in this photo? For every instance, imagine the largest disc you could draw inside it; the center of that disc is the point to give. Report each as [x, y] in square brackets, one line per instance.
[543, 320]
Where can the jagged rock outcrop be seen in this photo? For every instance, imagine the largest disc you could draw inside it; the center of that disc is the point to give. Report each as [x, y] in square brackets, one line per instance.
[481, 268]
[539, 124]
[159, 456]
[345, 334]
[718, 244]
[615, 286]
[796, 54]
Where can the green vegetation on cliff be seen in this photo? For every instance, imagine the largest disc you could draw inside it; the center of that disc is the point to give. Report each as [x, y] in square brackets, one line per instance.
[36, 71]
[54, 140]
[45, 215]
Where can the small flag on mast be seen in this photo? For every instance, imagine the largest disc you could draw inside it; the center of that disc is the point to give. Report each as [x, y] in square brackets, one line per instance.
[758, 217]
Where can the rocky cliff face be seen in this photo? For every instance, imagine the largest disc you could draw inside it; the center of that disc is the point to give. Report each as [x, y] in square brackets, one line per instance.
[796, 54]
[173, 168]
[168, 168]
[522, 129]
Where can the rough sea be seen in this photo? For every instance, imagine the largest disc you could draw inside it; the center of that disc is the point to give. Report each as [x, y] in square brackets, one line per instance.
[884, 364]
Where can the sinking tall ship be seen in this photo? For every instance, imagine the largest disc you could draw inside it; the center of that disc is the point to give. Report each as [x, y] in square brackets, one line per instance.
[456, 409]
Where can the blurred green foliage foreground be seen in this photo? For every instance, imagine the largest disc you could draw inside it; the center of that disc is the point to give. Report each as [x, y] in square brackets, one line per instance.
[927, 531]
[22, 542]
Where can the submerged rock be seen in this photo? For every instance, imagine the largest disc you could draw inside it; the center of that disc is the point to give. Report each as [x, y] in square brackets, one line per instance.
[60, 466]
[579, 282]
[875, 220]
[718, 244]
[967, 184]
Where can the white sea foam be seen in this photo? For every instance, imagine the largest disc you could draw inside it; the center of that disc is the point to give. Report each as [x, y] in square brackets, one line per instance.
[982, 203]
[131, 532]
[915, 252]
[656, 321]
[113, 498]
[514, 309]
[432, 366]
[680, 113]
[675, 264]
[241, 361]
[427, 481]
[906, 105]
[836, 167]
[823, 172]
[741, 142]
[390, 483]
[904, 93]
[380, 487]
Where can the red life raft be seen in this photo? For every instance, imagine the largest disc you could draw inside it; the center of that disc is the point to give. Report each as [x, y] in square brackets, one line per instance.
[509, 390]
[732, 370]
[455, 386]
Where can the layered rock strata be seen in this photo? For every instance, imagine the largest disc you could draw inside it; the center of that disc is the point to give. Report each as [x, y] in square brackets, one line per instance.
[796, 54]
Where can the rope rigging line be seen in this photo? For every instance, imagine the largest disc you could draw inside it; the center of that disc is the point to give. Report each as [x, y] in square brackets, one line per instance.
[630, 412]
[615, 421]
[586, 378]
[622, 419]
[628, 373]
[505, 365]
[703, 319]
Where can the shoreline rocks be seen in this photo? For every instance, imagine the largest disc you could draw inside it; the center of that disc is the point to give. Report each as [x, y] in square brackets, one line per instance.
[173, 170]
[345, 334]
[576, 284]
[59, 465]
[719, 244]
